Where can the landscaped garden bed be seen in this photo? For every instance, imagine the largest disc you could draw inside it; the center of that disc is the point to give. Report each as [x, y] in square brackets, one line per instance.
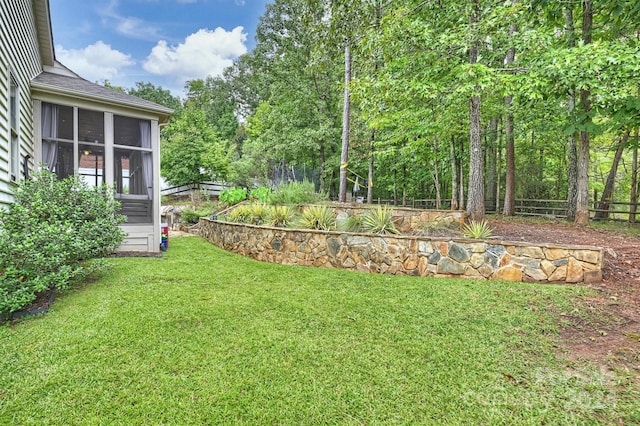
[409, 254]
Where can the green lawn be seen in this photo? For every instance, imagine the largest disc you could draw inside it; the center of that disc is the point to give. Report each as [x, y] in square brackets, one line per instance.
[202, 336]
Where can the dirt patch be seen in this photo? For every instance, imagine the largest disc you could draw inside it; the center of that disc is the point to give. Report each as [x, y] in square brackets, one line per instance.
[609, 333]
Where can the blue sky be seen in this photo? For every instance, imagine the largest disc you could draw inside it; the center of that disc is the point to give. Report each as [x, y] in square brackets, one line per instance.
[165, 42]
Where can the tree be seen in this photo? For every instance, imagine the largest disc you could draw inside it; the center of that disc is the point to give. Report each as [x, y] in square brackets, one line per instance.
[155, 94]
[214, 96]
[192, 151]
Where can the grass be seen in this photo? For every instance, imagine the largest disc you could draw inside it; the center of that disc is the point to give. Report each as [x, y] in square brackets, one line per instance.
[202, 336]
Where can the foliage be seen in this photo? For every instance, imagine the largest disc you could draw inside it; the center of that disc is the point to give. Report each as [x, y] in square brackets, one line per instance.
[233, 196]
[297, 193]
[352, 223]
[192, 151]
[318, 217]
[214, 97]
[303, 342]
[193, 216]
[157, 94]
[479, 230]
[259, 213]
[281, 216]
[240, 214]
[379, 221]
[49, 231]
[261, 194]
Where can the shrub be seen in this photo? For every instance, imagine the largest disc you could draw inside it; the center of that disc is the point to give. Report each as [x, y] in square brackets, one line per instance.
[478, 230]
[261, 194]
[193, 216]
[378, 221]
[232, 196]
[318, 217]
[241, 214]
[297, 193]
[281, 216]
[353, 224]
[49, 231]
[259, 213]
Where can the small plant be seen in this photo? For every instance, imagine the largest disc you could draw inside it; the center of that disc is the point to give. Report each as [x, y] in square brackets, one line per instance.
[232, 196]
[261, 194]
[352, 223]
[193, 216]
[259, 213]
[379, 221]
[281, 216]
[241, 214]
[477, 230]
[297, 193]
[318, 217]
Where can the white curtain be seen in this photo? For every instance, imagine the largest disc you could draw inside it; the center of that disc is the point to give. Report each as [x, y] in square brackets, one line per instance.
[49, 131]
[147, 157]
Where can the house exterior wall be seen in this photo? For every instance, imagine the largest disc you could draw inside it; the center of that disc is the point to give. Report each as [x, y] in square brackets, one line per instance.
[143, 237]
[20, 57]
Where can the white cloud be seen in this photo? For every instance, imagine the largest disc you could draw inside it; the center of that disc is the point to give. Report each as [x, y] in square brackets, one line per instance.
[96, 62]
[202, 54]
[128, 26]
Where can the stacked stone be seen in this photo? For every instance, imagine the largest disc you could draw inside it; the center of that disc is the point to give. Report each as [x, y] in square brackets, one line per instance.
[409, 255]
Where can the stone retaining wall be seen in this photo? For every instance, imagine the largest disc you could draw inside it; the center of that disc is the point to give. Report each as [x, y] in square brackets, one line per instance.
[408, 255]
[408, 220]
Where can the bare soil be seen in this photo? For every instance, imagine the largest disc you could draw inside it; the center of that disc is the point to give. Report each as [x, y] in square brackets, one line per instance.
[604, 328]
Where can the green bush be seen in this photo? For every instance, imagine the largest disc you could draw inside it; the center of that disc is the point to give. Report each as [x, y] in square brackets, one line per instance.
[52, 227]
[297, 193]
[193, 216]
[261, 194]
[232, 196]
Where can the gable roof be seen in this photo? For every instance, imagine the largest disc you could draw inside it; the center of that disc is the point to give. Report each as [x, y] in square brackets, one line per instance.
[53, 83]
[57, 79]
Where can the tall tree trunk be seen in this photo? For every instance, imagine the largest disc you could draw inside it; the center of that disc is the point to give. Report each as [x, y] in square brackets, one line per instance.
[404, 185]
[607, 193]
[372, 146]
[461, 197]
[635, 186]
[454, 174]
[509, 208]
[582, 202]
[475, 196]
[371, 164]
[436, 176]
[572, 177]
[346, 114]
[499, 172]
[323, 161]
[491, 161]
[572, 148]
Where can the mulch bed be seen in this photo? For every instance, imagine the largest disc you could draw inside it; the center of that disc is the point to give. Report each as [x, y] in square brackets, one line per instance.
[610, 336]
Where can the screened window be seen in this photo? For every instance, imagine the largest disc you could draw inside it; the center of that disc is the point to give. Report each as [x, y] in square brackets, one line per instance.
[133, 168]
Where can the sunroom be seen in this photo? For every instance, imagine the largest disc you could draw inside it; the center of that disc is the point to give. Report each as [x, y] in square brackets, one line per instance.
[103, 136]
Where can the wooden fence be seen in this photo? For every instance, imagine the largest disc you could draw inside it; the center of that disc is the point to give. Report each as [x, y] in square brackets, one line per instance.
[213, 188]
[557, 209]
